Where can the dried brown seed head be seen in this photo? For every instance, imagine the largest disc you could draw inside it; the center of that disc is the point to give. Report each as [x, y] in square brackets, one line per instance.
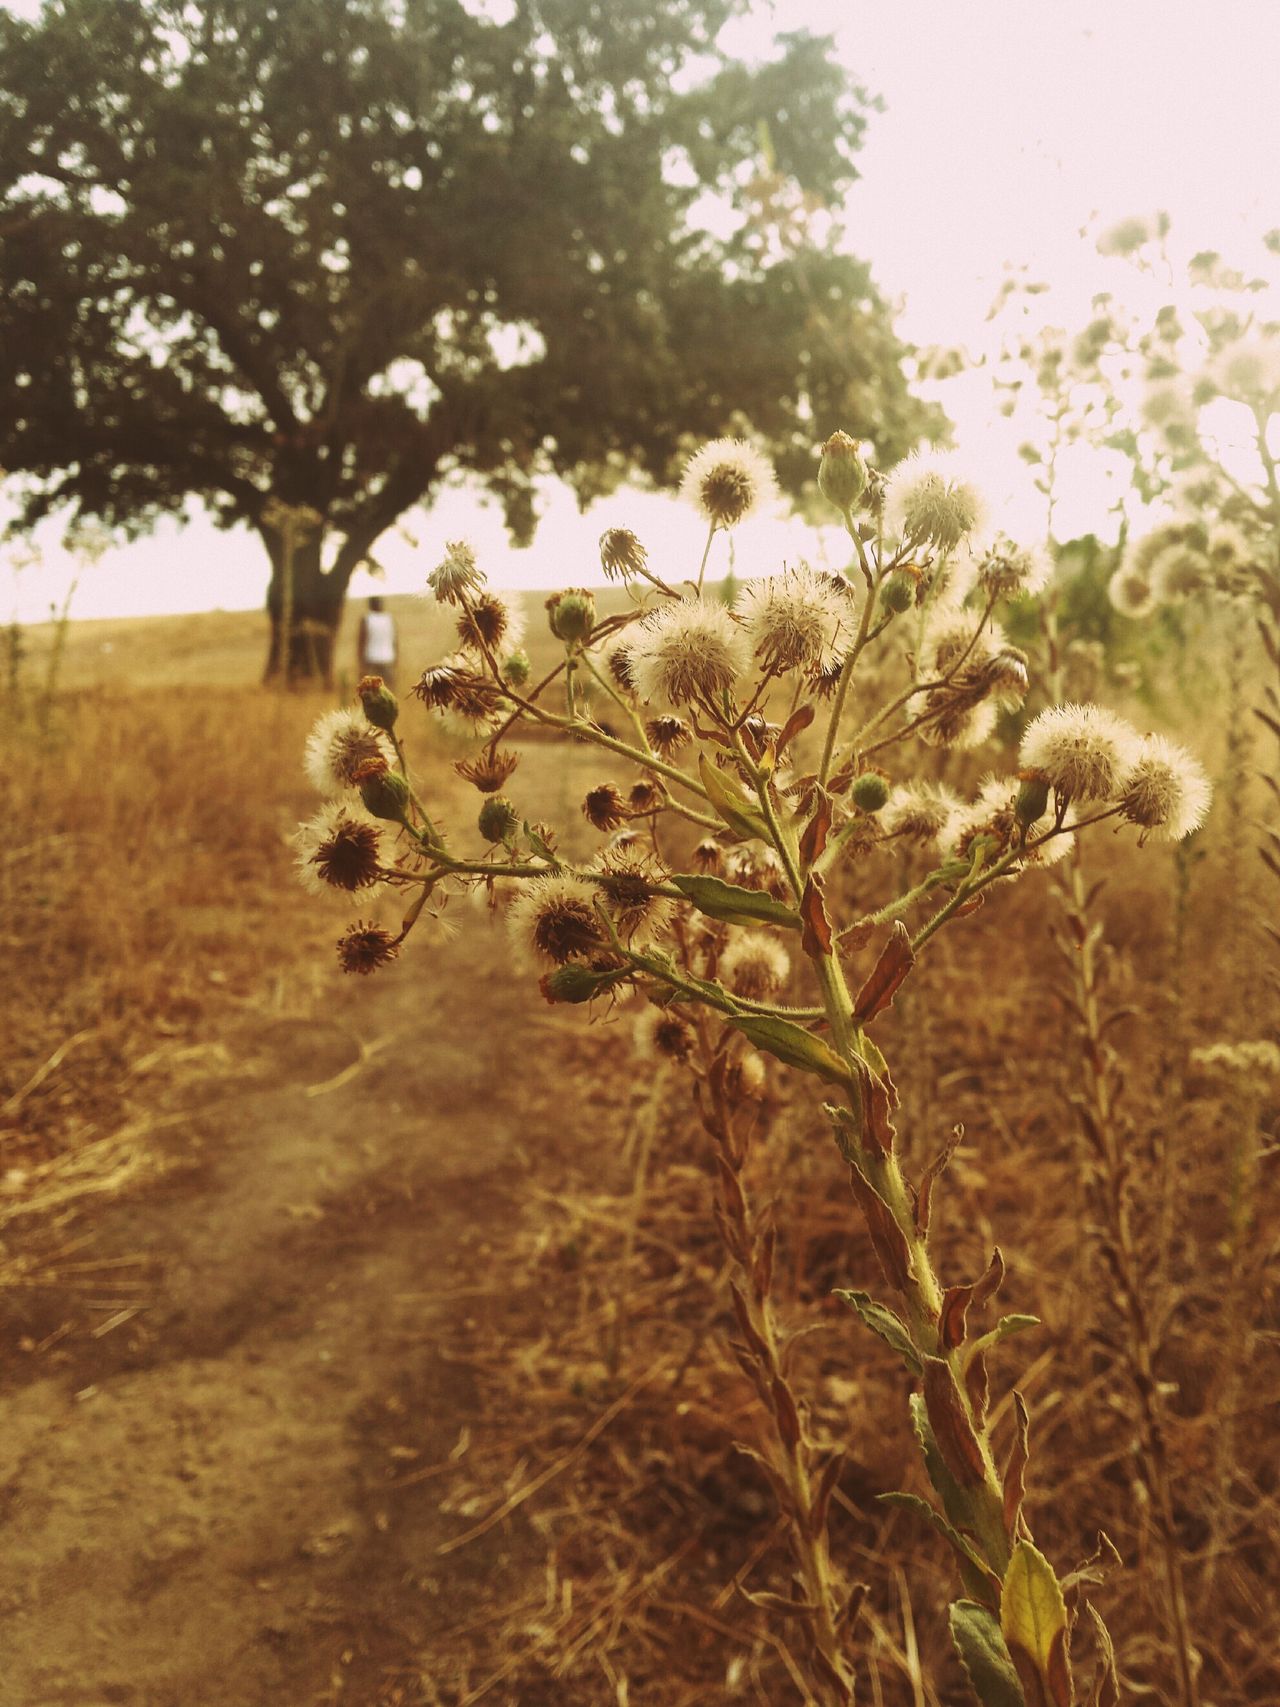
[604, 806]
[365, 947]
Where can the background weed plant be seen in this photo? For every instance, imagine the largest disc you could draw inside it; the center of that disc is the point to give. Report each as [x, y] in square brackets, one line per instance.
[776, 758]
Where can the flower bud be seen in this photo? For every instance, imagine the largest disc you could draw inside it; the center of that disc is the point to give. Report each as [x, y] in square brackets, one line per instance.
[575, 983]
[572, 615]
[517, 668]
[497, 820]
[842, 473]
[385, 792]
[381, 706]
[1033, 799]
[899, 592]
[870, 791]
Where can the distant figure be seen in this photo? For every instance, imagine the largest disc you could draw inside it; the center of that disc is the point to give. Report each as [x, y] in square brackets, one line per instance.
[378, 643]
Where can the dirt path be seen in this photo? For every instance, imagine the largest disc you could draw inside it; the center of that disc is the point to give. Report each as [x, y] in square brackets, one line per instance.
[198, 1505]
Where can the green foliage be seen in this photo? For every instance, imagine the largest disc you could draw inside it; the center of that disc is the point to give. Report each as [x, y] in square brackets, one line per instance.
[976, 1634]
[337, 253]
[885, 1322]
[733, 905]
[792, 1045]
[1033, 1621]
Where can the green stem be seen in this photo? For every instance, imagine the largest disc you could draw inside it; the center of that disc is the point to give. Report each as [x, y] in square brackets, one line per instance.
[706, 552]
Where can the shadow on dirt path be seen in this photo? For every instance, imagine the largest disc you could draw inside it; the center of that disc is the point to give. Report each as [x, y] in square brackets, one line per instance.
[200, 1506]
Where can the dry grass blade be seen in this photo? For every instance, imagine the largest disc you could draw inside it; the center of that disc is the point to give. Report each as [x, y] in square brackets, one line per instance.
[550, 1473]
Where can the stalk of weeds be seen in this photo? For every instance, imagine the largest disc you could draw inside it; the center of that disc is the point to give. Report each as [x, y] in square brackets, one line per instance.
[643, 1131]
[802, 1480]
[1109, 1143]
[748, 731]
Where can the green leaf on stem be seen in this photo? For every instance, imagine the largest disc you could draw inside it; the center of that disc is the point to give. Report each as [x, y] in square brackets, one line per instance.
[984, 1656]
[1004, 1327]
[732, 905]
[793, 1045]
[885, 1322]
[970, 1561]
[733, 805]
[1015, 1475]
[1033, 1619]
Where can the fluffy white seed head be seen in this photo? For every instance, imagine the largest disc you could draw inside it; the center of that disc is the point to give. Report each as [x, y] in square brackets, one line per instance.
[798, 620]
[339, 850]
[930, 501]
[621, 554]
[918, 812]
[662, 1033]
[961, 727]
[1083, 750]
[457, 575]
[553, 920]
[754, 964]
[493, 623]
[639, 915]
[1228, 549]
[1178, 570]
[1006, 570]
[1165, 791]
[688, 649]
[954, 644]
[755, 865]
[975, 670]
[1132, 593]
[339, 743]
[727, 480]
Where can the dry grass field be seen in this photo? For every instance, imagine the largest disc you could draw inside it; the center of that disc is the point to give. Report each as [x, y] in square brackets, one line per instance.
[366, 1341]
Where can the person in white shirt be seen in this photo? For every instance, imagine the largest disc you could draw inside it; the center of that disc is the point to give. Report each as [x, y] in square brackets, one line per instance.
[378, 643]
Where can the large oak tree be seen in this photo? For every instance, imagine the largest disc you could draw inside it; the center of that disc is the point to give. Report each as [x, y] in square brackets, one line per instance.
[327, 253]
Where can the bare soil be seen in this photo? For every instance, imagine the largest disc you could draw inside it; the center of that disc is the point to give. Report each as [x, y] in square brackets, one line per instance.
[217, 1499]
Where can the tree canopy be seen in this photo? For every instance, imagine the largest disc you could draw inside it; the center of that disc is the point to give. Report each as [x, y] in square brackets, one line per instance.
[329, 255]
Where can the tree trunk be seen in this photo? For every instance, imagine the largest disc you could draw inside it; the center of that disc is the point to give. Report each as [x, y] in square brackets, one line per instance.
[305, 608]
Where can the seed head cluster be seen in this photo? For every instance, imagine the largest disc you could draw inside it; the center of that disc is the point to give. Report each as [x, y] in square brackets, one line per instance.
[622, 556]
[1164, 790]
[754, 964]
[1082, 750]
[929, 501]
[727, 480]
[363, 948]
[340, 742]
[340, 848]
[687, 650]
[918, 811]
[798, 620]
[661, 1032]
[553, 919]
[458, 576]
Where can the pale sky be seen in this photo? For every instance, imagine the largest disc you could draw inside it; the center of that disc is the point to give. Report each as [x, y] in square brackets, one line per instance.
[1010, 126]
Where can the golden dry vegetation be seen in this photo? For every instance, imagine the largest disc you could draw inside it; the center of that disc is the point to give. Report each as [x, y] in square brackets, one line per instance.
[370, 1343]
